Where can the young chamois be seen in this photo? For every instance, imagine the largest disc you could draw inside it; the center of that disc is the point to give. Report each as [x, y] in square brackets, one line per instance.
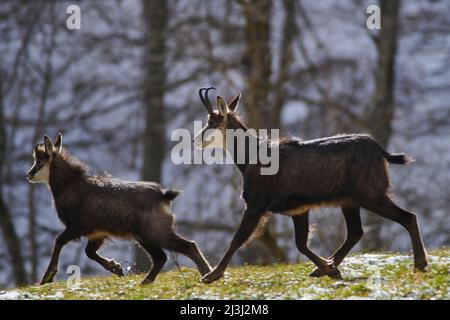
[100, 207]
[349, 171]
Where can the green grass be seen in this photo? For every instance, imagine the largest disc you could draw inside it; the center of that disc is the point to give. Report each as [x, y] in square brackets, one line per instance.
[369, 275]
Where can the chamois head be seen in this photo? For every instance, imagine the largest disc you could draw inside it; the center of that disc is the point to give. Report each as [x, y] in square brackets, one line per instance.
[43, 155]
[213, 134]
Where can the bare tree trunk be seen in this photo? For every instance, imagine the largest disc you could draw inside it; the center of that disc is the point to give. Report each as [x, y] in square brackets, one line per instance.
[381, 115]
[286, 57]
[156, 15]
[6, 223]
[258, 62]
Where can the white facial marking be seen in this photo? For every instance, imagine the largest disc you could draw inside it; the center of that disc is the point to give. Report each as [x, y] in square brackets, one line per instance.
[208, 138]
[198, 140]
[42, 176]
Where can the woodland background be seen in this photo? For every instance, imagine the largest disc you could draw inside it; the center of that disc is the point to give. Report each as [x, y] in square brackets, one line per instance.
[120, 85]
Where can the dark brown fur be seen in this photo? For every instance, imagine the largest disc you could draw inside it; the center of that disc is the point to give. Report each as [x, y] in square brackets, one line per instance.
[347, 170]
[99, 207]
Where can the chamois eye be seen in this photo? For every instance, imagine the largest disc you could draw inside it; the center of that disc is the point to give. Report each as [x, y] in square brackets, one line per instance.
[41, 157]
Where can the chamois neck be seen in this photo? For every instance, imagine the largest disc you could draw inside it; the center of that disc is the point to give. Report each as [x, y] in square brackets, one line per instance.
[65, 170]
[253, 139]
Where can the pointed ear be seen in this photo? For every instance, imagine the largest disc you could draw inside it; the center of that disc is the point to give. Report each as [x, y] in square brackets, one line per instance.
[233, 105]
[58, 143]
[48, 145]
[222, 107]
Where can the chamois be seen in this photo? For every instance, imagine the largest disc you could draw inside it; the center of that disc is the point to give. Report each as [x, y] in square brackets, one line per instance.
[347, 170]
[99, 208]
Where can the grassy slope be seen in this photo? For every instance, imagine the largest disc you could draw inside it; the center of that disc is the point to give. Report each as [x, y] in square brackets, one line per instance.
[375, 275]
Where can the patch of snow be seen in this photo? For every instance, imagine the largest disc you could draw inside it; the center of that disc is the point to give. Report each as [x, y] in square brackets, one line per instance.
[359, 298]
[313, 292]
[307, 296]
[318, 290]
[440, 260]
[9, 295]
[57, 295]
[375, 259]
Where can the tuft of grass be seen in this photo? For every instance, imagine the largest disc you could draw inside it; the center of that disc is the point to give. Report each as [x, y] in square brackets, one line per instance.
[365, 276]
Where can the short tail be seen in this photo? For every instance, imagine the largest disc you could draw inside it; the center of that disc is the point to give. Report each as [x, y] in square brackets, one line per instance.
[170, 194]
[398, 158]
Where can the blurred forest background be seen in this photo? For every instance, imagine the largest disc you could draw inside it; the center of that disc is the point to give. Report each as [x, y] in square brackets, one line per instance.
[117, 88]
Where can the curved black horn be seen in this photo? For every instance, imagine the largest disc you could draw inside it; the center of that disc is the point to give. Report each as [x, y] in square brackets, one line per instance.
[205, 99]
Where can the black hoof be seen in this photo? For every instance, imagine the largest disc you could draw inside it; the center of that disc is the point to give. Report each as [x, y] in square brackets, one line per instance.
[211, 277]
[421, 266]
[335, 274]
[317, 274]
[116, 268]
[147, 281]
[48, 278]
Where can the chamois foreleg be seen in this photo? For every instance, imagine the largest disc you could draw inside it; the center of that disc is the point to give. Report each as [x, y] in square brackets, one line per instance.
[52, 269]
[248, 224]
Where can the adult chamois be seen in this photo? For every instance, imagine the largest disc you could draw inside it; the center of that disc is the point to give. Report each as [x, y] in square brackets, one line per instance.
[349, 171]
[99, 207]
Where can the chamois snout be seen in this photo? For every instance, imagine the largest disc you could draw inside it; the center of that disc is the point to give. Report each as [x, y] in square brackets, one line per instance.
[29, 175]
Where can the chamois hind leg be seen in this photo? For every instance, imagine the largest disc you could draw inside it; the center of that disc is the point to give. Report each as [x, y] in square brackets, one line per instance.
[389, 210]
[301, 224]
[354, 234]
[188, 248]
[91, 251]
[159, 258]
[164, 236]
